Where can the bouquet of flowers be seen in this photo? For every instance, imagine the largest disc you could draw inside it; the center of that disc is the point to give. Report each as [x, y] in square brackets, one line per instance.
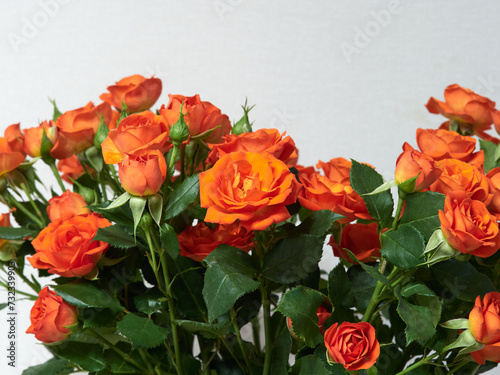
[176, 242]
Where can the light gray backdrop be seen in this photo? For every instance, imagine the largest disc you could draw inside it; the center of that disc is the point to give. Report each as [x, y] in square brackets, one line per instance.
[343, 78]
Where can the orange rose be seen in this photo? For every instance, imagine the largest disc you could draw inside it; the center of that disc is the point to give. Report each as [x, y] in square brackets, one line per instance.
[332, 191]
[137, 92]
[484, 323]
[353, 345]
[473, 112]
[199, 241]
[11, 149]
[200, 116]
[7, 249]
[135, 134]
[445, 144]
[252, 188]
[413, 163]
[460, 176]
[468, 226]
[33, 137]
[65, 247]
[493, 177]
[67, 205]
[361, 239]
[143, 174]
[262, 140]
[77, 128]
[71, 168]
[50, 317]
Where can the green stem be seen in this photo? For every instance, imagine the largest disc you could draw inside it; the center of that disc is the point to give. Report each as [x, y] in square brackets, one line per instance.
[266, 306]
[373, 302]
[232, 354]
[423, 361]
[142, 353]
[240, 341]
[256, 335]
[183, 163]
[401, 200]
[20, 207]
[56, 174]
[35, 207]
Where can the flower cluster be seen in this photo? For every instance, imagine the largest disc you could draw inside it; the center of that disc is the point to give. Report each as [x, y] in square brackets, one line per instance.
[171, 226]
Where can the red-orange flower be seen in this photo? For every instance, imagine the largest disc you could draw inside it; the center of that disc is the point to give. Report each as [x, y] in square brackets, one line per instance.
[361, 239]
[7, 249]
[33, 137]
[135, 134]
[66, 205]
[460, 176]
[71, 168]
[332, 191]
[493, 177]
[200, 117]
[143, 174]
[353, 345]
[262, 140]
[411, 164]
[252, 188]
[77, 128]
[484, 323]
[196, 242]
[51, 316]
[11, 149]
[445, 144]
[474, 112]
[66, 247]
[137, 92]
[468, 226]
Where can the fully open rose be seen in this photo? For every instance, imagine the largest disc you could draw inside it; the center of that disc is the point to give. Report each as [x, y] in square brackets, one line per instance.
[484, 322]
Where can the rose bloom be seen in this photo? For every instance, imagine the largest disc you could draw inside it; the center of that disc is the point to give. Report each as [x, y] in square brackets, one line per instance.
[493, 177]
[460, 176]
[413, 163]
[71, 168]
[484, 323]
[471, 110]
[77, 128]
[135, 134]
[361, 239]
[445, 144]
[33, 137]
[332, 191]
[262, 140]
[11, 149]
[252, 188]
[50, 317]
[142, 174]
[65, 247]
[200, 116]
[468, 226]
[66, 205]
[137, 92]
[353, 345]
[196, 242]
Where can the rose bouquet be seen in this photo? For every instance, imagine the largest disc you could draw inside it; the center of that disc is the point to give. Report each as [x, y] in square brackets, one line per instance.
[176, 242]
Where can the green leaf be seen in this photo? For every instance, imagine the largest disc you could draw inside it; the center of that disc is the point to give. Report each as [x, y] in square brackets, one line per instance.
[96, 318]
[116, 236]
[416, 288]
[418, 319]
[155, 204]
[318, 223]
[372, 271]
[54, 366]
[384, 187]
[300, 305]
[490, 150]
[364, 180]
[57, 113]
[403, 248]
[339, 286]
[293, 258]
[120, 214]
[137, 205]
[169, 240]
[9, 233]
[421, 212]
[362, 287]
[150, 302]
[94, 157]
[310, 364]
[207, 330]
[456, 324]
[120, 201]
[101, 134]
[462, 279]
[282, 347]
[85, 355]
[230, 274]
[142, 332]
[465, 340]
[182, 197]
[85, 294]
[117, 364]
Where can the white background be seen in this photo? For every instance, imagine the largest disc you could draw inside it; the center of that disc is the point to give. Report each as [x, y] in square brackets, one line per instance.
[305, 64]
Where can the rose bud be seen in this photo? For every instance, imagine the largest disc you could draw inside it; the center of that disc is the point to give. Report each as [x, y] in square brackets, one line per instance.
[468, 226]
[11, 149]
[143, 174]
[413, 164]
[67, 205]
[136, 92]
[51, 316]
[33, 138]
[353, 345]
[484, 323]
